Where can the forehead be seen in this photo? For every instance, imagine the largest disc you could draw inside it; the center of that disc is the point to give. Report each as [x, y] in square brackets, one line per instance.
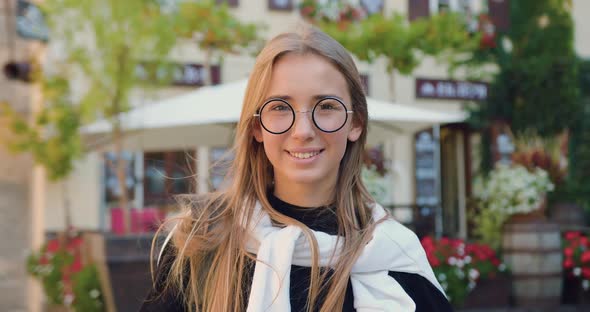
[305, 76]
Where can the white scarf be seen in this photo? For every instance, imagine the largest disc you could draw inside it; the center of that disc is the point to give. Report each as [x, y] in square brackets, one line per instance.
[392, 248]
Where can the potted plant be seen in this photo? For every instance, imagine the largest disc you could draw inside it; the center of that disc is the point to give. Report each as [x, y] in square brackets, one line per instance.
[69, 278]
[508, 191]
[511, 214]
[468, 270]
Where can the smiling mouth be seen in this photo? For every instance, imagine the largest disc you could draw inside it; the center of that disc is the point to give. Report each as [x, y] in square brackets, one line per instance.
[305, 155]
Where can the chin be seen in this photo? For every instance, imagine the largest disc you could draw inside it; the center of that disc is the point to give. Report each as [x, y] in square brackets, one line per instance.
[304, 179]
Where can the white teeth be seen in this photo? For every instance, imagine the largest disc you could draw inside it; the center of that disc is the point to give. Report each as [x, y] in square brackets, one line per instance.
[304, 155]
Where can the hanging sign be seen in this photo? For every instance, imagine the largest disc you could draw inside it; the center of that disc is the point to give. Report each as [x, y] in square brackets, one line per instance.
[451, 89]
[189, 75]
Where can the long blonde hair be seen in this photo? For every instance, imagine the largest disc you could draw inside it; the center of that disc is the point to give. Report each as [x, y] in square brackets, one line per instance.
[210, 257]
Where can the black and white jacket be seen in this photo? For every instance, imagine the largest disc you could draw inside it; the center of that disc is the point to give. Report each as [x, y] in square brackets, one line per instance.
[426, 296]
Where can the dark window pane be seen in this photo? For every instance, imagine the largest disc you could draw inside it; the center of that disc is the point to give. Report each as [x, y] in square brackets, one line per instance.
[154, 176]
[112, 189]
[282, 5]
[418, 8]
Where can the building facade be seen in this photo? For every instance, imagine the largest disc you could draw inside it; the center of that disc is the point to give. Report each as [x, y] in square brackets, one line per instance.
[419, 192]
[427, 88]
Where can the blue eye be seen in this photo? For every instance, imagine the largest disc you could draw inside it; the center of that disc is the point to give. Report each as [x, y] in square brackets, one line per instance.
[330, 105]
[279, 107]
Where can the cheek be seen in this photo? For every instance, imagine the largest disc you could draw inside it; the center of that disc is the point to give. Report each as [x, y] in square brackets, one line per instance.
[272, 146]
[339, 142]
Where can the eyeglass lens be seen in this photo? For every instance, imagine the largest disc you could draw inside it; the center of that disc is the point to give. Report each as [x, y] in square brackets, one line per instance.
[328, 115]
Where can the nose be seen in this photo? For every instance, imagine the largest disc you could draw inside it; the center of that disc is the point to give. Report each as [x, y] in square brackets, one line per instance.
[303, 127]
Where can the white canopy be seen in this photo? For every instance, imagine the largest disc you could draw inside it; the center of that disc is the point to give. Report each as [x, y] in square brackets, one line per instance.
[207, 116]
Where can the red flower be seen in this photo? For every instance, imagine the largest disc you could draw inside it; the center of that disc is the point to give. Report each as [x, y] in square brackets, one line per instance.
[76, 265]
[568, 252]
[434, 261]
[74, 244]
[586, 273]
[568, 263]
[585, 256]
[43, 260]
[571, 235]
[53, 246]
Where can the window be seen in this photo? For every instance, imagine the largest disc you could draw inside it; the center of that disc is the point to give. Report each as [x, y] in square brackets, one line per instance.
[372, 6]
[230, 3]
[220, 160]
[441, 6]
[167, 174]
[112, 189]
[425, 8]
[280, 5]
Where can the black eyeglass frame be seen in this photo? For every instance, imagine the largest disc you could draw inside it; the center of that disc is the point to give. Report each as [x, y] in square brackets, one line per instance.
[258, 114]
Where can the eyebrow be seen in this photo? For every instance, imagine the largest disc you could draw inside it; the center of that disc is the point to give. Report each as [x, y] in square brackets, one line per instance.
[315, 97]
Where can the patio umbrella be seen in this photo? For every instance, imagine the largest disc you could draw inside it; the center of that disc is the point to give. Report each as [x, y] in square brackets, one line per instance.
[207, 116]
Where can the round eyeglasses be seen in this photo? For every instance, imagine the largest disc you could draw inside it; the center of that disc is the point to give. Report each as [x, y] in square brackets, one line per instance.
[277, 116]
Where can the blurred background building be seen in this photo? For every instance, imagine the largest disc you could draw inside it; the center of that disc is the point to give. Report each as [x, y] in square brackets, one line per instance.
[157, 166]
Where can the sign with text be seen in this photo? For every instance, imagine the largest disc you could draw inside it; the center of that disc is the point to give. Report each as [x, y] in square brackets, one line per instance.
[451, 89]
[178, 74]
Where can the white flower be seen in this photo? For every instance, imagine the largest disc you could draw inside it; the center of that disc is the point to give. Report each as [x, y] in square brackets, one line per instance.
[460, 263]
[442, 277]
[577, 271]
[467, 259]
[513, 189]
[473, 274]
[452, 260]
[471, 285]
[68, 299]
[502, 267]
[585, 284]
[94, 293]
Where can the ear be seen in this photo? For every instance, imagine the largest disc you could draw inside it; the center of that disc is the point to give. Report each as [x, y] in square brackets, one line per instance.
[355, 132]
[257, 132]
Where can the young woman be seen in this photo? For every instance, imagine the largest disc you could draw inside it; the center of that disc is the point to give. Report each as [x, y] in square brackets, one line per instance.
[295, 228]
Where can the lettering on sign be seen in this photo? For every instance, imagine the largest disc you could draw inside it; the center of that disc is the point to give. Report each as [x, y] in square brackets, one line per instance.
[178, 74]
[451, 89]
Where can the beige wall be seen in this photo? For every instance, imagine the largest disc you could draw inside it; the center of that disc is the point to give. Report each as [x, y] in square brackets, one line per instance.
[83, 190]
[15, 174]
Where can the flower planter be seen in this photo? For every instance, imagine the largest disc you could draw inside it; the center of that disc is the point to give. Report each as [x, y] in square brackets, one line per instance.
[490, 293]
[532, 251]
[128, 261]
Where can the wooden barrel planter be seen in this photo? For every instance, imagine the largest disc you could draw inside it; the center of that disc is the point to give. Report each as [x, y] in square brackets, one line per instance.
[532, 251]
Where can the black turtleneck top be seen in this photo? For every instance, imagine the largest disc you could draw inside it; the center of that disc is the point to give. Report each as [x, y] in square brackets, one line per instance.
[426, 296]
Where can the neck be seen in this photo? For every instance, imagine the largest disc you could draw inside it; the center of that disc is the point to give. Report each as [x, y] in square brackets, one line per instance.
[304, 195]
